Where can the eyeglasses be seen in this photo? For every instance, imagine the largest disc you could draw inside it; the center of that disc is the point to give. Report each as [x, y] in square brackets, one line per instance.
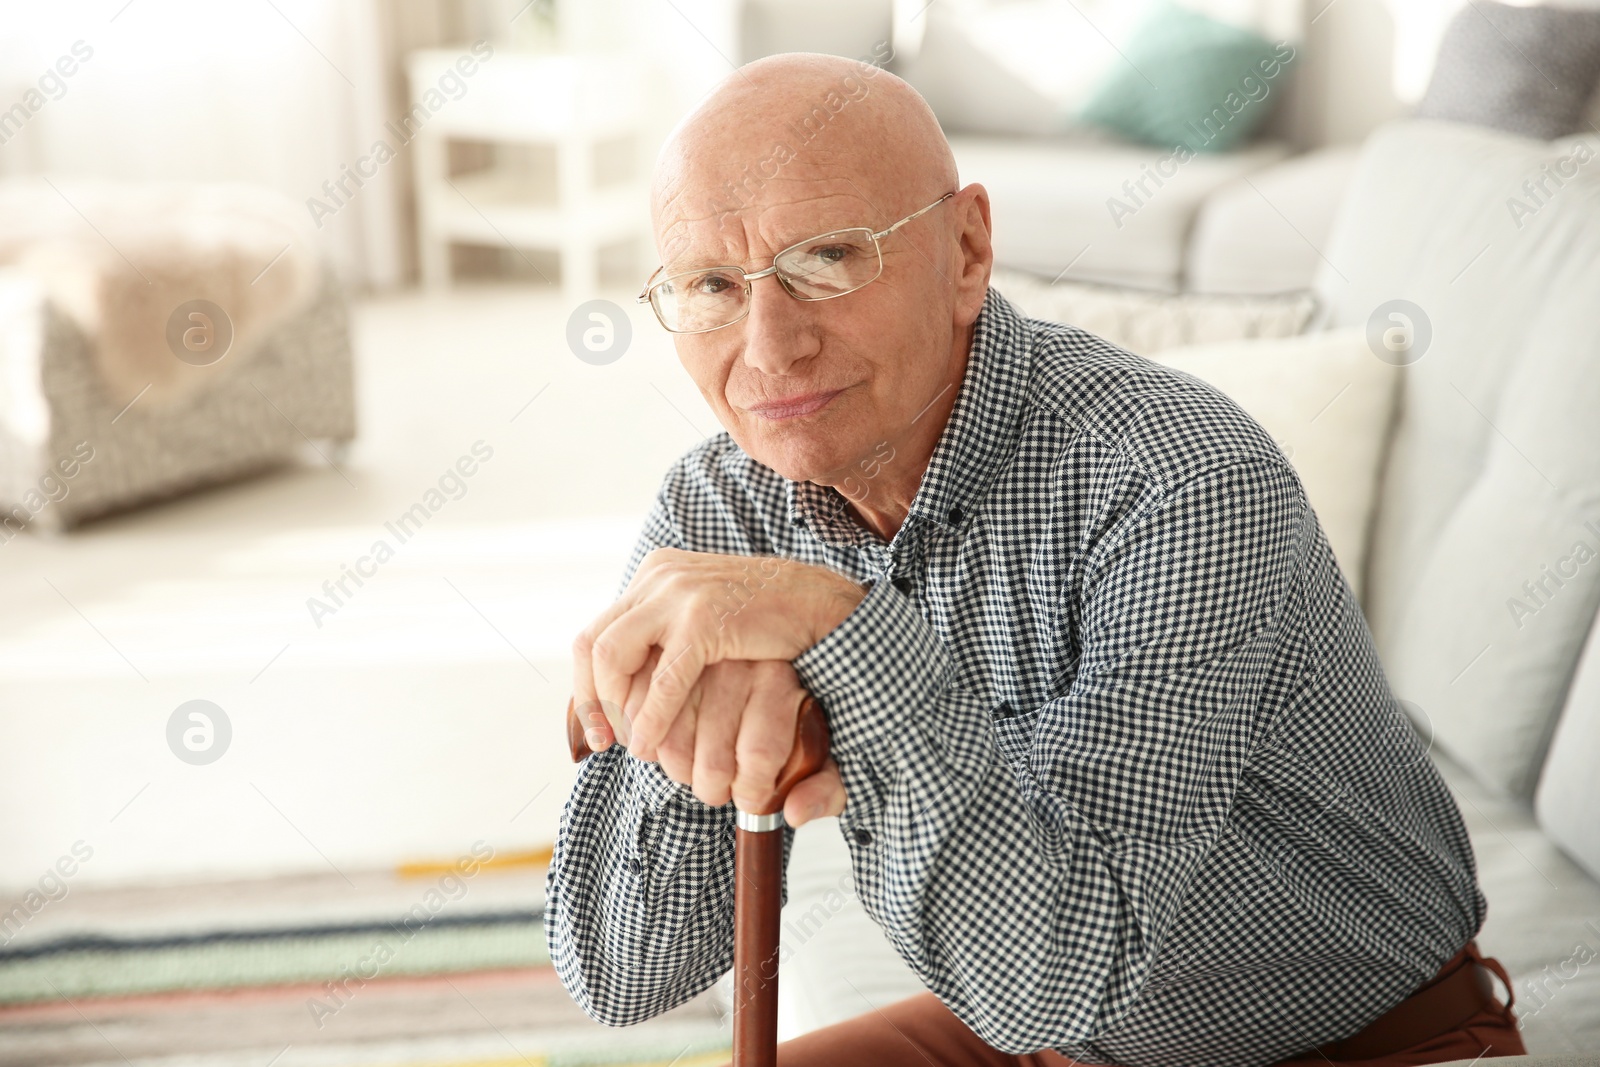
[818, 268]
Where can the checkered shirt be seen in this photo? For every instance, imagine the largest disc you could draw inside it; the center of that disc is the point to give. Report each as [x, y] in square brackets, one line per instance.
[1125, 778]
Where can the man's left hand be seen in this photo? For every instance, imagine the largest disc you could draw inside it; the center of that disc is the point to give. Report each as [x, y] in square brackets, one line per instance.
[700, 608]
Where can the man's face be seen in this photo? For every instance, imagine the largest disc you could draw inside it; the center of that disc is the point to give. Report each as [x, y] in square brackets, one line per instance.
[809, 388]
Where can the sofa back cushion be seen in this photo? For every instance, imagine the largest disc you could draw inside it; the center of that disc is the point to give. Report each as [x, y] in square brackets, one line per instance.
[1569, 792]
[1477, 590]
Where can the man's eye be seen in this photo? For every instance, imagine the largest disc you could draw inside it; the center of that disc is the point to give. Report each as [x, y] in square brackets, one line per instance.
[713, 284]
[829, 255]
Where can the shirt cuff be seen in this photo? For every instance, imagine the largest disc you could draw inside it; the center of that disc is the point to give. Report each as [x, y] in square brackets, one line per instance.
[647, 781]
[883, 661]
[656, 789]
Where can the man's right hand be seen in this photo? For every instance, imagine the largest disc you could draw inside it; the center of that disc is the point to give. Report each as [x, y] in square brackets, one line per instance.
[733, 737]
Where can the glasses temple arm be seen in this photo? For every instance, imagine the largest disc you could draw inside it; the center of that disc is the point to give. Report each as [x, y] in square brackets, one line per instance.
[649, 283]
[881, 234]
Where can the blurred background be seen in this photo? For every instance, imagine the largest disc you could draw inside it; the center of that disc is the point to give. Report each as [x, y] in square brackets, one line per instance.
[328, 416]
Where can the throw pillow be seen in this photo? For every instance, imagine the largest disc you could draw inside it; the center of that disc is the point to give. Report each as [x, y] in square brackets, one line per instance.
[1525, 70]
[1144, 322]
[1328, 404]
[1189, 80]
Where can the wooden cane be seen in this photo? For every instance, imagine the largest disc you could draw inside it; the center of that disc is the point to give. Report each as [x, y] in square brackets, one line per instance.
[758, 886]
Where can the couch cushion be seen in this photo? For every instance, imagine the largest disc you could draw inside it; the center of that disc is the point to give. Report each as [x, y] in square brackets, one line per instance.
[1096, 209]
[1493, 470]
[1543, 921]
[1264, 234]
[1146, 321]
[1569, 792]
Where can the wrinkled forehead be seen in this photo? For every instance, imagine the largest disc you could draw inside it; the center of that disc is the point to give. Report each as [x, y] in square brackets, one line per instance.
[716, 215]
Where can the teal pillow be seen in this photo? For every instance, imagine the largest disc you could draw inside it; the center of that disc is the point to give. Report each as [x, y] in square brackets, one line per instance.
[1188, 80]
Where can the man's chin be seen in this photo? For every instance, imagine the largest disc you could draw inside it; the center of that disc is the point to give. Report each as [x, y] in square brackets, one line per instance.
[800, 454]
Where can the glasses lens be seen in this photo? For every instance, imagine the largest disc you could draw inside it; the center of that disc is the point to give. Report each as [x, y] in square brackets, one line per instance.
[700, 300]
[830, 265]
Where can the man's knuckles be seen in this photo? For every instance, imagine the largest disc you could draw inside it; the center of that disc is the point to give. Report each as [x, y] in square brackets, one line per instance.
[719, 771]
[762, 749]
[774, 677]
[604, 649]
[713, 793]
[676, 755]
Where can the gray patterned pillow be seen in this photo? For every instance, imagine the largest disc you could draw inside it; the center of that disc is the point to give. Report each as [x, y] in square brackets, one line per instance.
[1525, 70]
[1146, 322]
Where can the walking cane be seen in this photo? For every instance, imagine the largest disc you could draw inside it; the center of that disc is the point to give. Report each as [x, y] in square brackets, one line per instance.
[757, 890]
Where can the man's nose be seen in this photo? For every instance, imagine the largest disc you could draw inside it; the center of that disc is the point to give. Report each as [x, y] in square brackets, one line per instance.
[779, 330]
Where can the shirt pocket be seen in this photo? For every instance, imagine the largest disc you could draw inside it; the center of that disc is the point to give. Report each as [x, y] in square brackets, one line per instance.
[1013, 732]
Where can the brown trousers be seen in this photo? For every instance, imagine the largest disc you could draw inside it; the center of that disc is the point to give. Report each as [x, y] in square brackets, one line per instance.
[920, 1031]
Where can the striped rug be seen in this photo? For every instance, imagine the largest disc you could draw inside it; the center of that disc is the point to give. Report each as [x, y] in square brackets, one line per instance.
[344, 955]
[111, 982]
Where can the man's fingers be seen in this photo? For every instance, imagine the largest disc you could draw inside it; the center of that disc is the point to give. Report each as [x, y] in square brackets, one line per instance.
[676, 751]
[816, 797]
[584, 681]
[622, 650]
[639, 685]
[598, 733]
[604, 723]
[669, 687]
[721, 707]
[766, 736]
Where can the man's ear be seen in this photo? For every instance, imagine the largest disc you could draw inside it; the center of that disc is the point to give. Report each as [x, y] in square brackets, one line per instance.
[977, 253]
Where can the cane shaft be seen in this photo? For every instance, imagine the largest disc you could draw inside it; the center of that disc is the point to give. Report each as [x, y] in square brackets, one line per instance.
[758, 870]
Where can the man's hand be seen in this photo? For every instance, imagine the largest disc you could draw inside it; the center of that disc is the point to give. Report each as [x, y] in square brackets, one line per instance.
[688, 611]
[733, 736]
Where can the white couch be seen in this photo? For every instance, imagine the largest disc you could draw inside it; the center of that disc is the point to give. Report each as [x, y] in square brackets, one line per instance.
[1491, 474]
[1051, 180]
[1051, 216]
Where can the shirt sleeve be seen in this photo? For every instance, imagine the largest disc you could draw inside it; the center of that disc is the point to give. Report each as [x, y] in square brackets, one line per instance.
[639, 895]
[1032, 894]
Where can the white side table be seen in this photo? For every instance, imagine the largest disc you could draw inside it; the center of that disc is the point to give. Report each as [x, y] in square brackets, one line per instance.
[570, 103]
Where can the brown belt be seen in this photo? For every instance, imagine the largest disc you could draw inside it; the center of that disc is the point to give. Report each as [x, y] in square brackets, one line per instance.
[1461, 990]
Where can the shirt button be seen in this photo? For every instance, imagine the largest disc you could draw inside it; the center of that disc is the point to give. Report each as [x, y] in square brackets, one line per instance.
[955, 516]
[634, 866]
[863, 837]
[905, 585]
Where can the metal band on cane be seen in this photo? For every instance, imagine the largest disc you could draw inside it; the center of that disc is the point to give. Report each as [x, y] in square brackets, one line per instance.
[750, 821]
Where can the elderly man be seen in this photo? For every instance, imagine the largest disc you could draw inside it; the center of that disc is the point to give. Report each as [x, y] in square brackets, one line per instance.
[1119, 770]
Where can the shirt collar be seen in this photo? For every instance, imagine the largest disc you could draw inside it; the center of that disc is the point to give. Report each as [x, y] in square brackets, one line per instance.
[981, 432]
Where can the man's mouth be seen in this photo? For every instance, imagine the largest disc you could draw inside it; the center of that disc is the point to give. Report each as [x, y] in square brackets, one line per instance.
[795, 406]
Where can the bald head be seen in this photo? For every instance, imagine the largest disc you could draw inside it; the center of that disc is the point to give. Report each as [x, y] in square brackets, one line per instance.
[802, 118]
[784, 154]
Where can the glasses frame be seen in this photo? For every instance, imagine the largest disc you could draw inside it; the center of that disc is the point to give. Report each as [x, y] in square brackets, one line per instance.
[751, 276]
